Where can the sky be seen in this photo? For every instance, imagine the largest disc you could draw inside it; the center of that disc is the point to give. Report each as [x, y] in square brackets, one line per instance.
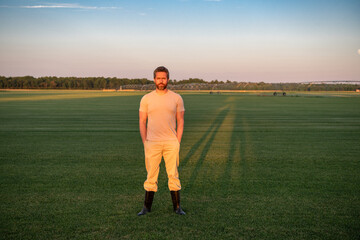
[236, 40]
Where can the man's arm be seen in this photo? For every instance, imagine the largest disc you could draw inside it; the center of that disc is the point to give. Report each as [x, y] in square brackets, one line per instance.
[142, 125]
[180, 125]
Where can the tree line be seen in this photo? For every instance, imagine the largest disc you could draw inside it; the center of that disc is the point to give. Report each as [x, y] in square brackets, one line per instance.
[98, 83]
[29, 82]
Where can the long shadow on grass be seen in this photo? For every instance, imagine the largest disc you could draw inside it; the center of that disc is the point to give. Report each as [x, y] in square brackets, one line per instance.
[234, 145]
[214, 129]
[217, 122]
[240, 141]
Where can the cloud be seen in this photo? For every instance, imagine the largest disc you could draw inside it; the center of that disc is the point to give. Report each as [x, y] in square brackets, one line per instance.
[62, 5]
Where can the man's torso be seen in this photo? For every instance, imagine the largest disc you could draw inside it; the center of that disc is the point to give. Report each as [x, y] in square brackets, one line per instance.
[161, 111]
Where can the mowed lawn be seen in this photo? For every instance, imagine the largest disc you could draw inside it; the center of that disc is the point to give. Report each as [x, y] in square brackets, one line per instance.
[252, 166]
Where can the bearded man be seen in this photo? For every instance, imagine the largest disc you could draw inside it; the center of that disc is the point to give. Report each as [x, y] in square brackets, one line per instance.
[163, 111]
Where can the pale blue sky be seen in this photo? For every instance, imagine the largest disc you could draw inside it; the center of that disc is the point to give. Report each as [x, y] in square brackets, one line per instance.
[253, 40]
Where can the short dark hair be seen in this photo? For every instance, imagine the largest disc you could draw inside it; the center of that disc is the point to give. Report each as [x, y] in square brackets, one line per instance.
[162, 69]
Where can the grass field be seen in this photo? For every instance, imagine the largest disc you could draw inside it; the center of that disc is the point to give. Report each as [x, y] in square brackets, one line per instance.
[252, 166]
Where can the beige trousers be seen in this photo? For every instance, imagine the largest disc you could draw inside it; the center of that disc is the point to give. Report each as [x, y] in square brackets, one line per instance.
[154, 151]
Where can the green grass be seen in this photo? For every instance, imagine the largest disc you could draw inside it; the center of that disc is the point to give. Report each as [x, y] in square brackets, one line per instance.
[251, 167]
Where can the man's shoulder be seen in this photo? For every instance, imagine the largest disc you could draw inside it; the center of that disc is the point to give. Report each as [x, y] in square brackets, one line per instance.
[174, 94]
[148, 95]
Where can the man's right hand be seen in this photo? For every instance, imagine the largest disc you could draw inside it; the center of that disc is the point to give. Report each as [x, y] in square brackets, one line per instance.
[142, 125]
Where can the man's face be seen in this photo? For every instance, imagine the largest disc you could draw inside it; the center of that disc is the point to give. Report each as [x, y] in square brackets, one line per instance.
[161, 80]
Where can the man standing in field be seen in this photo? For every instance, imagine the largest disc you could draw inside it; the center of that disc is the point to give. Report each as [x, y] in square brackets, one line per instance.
[164, 112]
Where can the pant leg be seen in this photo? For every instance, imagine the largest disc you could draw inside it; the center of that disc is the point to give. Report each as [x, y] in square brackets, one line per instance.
[153, 153]
[171, 158]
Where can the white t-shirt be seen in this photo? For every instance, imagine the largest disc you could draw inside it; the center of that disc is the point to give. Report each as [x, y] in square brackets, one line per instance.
[161, 111]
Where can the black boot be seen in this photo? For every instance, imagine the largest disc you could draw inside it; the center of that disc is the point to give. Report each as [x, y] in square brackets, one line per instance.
[175, 196]
[149, 196]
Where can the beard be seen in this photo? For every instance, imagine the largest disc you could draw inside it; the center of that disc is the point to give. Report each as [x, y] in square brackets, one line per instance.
[161, 86]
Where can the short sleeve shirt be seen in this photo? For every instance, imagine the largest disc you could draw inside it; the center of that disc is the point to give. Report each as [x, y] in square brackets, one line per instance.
[161, 111]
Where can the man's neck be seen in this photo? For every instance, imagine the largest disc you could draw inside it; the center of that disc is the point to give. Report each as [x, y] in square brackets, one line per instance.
[162, 92]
